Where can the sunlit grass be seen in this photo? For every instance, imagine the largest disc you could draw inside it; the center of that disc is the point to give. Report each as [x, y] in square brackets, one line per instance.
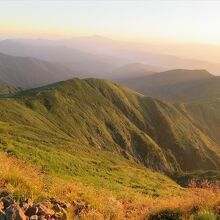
[24, 180]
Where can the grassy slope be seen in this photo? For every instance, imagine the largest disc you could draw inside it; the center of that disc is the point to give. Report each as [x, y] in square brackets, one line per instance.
[199, 89]
[38, 128]
[62, 127]
[206, 114]
[23, 180]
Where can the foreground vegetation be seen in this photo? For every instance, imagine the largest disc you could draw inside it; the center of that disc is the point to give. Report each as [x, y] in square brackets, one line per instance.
[23, 180]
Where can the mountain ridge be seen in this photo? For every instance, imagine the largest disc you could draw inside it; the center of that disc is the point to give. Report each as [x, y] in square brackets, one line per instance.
[142, 129]
[171, 85]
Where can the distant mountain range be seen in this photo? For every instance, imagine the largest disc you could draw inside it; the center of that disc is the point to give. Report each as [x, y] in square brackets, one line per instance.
[98, 57]
[85, 63]
[30, 72]
[176, 85]
[132, 70]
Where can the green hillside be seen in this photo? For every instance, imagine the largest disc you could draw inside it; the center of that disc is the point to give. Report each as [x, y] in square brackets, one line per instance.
[49, 126]
[203, 90]
[197, 88]
[74, 128]
[206, 114]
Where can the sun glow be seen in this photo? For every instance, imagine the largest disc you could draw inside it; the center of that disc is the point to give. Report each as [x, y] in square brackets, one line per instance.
[185, 21]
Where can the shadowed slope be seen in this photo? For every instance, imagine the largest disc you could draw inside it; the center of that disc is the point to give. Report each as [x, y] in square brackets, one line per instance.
[97, 114]
[197, 88]
[206, 114]
[174, 85]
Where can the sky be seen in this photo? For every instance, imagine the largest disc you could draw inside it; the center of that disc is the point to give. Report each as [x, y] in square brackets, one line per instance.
[156, 21]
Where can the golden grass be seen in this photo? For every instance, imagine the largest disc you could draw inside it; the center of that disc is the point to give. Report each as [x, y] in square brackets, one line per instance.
[24, 180]
[20, 178]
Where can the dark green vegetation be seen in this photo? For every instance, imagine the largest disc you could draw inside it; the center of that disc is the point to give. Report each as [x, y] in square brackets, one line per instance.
[197, 88]
[83, 128]
[184, 178]
[166, 214]
[206, 113]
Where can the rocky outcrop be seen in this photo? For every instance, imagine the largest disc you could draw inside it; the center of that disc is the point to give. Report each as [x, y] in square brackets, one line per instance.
[27, 210]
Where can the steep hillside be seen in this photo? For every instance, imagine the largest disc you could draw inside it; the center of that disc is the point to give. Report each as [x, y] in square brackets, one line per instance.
[79, 117]
[61, 129]
[30, 72]
[176, 85]
[206, 114]
[203, 90]
[197, 88]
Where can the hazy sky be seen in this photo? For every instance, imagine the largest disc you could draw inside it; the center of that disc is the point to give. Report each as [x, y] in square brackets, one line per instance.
[194, 21]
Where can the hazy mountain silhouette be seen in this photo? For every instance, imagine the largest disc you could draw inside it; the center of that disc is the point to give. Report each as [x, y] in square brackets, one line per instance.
[29, 72]
[82, 62]
[133, 70]
[98, 56]
[176, 85]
